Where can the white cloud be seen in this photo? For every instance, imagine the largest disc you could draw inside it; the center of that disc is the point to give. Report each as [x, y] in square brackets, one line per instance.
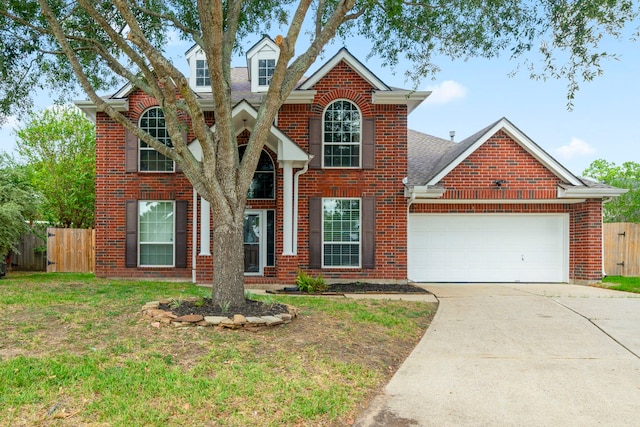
[575, 148]
[446, 92]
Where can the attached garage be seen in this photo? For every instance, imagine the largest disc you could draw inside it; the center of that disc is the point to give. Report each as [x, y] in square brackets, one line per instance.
[488, 247]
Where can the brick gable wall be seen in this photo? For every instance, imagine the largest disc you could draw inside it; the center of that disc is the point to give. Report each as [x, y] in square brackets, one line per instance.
[501, 157]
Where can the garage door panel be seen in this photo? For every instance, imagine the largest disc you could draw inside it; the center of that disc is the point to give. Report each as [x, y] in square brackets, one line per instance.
[488, 247]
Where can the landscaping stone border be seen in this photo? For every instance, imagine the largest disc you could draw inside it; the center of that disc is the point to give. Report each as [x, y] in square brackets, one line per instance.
[161, 317]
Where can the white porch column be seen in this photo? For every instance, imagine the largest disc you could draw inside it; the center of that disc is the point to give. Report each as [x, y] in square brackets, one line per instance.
[205, 228]
[287, 208]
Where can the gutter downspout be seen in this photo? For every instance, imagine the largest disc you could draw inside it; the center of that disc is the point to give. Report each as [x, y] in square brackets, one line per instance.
[295, 203]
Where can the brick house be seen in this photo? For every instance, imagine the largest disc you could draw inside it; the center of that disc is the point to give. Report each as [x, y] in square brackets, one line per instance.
[345, 190]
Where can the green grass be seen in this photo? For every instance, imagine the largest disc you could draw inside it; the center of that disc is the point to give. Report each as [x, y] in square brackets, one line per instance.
[75, 351]
[619, 283]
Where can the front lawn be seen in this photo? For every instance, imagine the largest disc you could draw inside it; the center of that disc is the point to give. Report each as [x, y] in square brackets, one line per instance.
[619, 283]
[74, 350]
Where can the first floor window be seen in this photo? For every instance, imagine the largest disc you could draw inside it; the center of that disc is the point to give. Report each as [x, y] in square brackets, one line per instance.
[341, 232]
[156, 227]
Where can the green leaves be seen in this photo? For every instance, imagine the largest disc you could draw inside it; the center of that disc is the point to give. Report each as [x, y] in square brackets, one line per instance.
[59, 146]
[18, 203]
[625, 208]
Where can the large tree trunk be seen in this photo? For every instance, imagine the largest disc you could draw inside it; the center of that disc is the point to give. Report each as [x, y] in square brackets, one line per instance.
[228, 261]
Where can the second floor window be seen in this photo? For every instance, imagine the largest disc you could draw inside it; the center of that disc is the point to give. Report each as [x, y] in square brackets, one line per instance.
[263, 183]
[341, 135]
[202, 73]
[266, 67]
[152, 122]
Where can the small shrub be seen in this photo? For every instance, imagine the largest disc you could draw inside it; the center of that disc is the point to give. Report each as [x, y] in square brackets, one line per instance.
[307, 283]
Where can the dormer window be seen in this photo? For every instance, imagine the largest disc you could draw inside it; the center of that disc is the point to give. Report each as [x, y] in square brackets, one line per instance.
[202, 73]
[261, 64]
[266, 67]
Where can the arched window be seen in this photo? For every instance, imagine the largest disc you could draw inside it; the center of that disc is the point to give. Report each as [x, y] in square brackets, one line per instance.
[263, 183]
[342, 135]
[152, 122]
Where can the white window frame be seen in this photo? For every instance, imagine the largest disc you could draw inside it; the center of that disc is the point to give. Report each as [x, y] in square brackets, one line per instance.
[325, 143]
[173, 236]
[205, 77]
[359, 242]
[266, 67]
[149, 148]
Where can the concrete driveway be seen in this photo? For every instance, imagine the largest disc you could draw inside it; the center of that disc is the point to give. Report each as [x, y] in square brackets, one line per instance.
[520, 355]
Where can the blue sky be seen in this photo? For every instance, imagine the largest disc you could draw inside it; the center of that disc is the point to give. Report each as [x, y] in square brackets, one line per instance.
[468, 96]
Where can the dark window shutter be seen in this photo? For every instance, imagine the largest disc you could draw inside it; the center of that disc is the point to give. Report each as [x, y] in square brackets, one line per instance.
[368, 143]
[315, 232]
[131, 152]
[131, 247]
[368, 232]
[315, 142]
[181, 234]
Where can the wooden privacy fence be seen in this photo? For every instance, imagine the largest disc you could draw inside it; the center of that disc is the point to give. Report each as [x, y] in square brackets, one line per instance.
[30, 255]
[621, 249]
[70, 250]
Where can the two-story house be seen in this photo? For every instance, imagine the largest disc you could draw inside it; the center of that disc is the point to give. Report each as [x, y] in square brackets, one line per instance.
[345, 190]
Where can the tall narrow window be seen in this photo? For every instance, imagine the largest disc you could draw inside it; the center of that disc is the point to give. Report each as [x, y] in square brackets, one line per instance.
[156, 233]
[342, 136]
[202, 73]
[341, 232]
[263, 183]
[152, 122]
[266, 67]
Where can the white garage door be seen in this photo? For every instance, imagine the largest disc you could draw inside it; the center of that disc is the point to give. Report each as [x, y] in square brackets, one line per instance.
[488, 248]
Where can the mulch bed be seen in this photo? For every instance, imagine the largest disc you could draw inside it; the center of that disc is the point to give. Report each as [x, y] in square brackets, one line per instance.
[208, 308]
[357, 288]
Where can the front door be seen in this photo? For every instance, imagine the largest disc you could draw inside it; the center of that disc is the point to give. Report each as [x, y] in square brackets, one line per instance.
[253, 242]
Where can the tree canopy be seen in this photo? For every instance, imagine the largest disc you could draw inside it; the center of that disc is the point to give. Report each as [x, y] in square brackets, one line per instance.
[626, 207]
[18, 203]
[59, 146]
[100, 44]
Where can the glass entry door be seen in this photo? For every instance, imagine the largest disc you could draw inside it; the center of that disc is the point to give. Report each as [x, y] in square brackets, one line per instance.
[253, 242]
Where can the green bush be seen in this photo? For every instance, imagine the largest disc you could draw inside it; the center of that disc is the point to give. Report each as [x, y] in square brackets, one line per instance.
[307, 283]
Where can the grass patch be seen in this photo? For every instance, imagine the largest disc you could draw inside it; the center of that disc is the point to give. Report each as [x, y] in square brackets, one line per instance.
[75, 351]
[619, 283]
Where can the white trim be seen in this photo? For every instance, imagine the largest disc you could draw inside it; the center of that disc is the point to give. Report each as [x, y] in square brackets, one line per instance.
[412, 98]
[359, 144]
[194, 237]
[173, 241]
[205, 228]
[296, 177]
[590, 193]
[494, 201]
[287, 208]
[322, 241]
[522, 140]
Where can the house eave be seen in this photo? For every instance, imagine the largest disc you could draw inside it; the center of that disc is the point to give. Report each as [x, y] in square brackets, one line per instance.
[590, 193]
[301, 97]
[497, 201]
[410, 98]
[90, 109]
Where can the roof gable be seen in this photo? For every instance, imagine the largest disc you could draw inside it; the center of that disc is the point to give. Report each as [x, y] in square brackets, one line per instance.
[465, 148]
[344, 55]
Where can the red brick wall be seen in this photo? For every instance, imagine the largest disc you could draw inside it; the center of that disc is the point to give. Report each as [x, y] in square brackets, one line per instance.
[115, 186]
[502, 158]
